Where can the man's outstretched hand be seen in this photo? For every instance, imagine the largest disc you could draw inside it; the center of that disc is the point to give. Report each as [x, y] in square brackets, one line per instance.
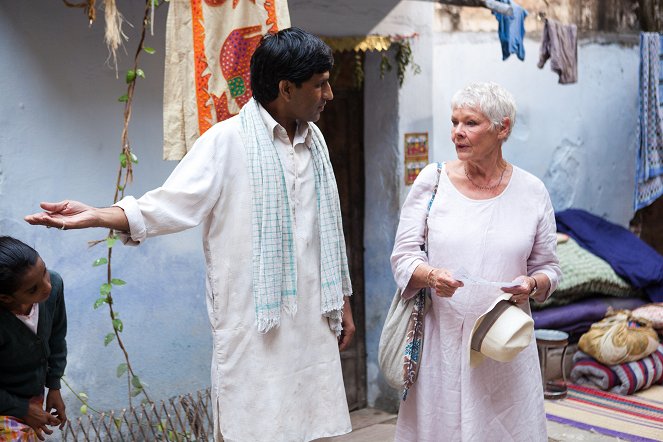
[63, 215]
[70, 214]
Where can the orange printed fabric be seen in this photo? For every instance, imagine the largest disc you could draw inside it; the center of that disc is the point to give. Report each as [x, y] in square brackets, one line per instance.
[14, 430]
[209, 44]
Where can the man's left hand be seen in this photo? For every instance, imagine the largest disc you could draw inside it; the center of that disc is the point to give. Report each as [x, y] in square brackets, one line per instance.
[348, 325]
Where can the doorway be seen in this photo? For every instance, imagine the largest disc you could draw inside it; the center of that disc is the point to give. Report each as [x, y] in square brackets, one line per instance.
[342, 124]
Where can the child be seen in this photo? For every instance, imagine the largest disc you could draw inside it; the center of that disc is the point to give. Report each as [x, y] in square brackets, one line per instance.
[33, 351]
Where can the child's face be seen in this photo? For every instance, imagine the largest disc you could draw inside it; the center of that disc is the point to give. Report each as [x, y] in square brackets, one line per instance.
[35, 286]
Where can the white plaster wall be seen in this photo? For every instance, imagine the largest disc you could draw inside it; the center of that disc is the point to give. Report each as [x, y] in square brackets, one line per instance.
[578, 138]
[390, 112]
[60, 126]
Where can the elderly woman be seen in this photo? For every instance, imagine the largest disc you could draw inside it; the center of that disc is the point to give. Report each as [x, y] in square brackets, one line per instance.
[494, 221]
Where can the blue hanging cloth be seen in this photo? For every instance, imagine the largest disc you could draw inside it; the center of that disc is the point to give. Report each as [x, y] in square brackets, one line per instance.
[511, 30]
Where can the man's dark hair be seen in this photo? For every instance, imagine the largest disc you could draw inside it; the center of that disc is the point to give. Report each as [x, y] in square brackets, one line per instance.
[16, 258]
[290, 54]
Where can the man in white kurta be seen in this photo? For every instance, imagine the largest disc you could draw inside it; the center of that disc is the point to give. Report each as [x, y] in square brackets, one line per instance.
[285, 384]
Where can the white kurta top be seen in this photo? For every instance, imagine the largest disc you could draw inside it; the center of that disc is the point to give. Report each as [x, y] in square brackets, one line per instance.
[286, 385]
[497, 239]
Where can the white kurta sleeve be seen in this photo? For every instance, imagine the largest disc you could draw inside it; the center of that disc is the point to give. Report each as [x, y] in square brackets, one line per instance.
[543, 258]
[407, 253]
[185, 199]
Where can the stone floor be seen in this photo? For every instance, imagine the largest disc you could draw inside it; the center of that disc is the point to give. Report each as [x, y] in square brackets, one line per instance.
[371, 425]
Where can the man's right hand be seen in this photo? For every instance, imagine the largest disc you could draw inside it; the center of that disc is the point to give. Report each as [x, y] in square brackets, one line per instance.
[38, 419]
[70, 214]
[63, 215]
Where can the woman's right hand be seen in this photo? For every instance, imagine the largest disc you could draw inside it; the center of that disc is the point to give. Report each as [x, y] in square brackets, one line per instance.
[441, 281]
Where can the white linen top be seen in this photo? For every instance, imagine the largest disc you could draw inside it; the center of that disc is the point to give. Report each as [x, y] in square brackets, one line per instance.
[497, 239]
[287, 384]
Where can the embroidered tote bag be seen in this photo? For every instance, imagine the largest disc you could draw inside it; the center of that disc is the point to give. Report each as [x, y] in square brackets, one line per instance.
[402, 337]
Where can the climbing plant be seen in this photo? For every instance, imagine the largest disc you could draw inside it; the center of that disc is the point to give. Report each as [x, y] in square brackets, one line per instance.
[395, 51]
[127, 159]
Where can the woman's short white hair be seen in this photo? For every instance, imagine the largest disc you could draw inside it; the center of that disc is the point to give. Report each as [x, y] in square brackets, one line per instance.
[490, 99]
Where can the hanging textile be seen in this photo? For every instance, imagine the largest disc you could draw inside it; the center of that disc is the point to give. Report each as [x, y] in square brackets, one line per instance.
[649, 160]
[560, 45]
[511, 30]
[209, 44]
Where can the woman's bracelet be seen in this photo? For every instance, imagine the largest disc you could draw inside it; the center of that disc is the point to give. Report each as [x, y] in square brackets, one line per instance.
[535, 288]
[429, 281]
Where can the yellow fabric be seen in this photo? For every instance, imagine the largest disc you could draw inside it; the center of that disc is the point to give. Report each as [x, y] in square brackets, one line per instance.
[619, 338]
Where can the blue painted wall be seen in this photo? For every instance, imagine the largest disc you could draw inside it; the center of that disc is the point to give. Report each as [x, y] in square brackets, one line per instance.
[60, 127]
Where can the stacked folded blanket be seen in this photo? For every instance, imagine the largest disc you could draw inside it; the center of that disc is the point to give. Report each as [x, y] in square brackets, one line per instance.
[624, 378]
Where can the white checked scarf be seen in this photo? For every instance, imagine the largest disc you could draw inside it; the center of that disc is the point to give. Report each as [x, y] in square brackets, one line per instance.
[274, 263]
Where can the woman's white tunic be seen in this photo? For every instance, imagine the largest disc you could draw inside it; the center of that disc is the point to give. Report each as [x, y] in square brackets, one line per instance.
[285, 385]
[496, 239]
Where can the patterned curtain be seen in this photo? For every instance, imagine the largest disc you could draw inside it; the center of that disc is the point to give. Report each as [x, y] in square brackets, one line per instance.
[209, 44]
[649, 161]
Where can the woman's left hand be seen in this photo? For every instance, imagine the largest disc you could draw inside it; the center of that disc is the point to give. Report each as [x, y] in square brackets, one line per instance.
[521, 292]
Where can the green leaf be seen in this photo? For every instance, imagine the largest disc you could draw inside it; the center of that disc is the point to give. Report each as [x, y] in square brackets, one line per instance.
[149, 50]
[121, 369]
[120, 187]
[136, 391]
[134, 158]
[82, 395]
[105, 289]
[135, 381]
[110, 242]
[117, 281]
[99, 302]
[117, 325]
[109, 338]
[123, 159]
[123, 99]
[131, 76]
[140, 73]
[118, 422]
[99, 262]
[83, 409]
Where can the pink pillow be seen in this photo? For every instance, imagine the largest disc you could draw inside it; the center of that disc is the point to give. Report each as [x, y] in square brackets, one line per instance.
[652, 313]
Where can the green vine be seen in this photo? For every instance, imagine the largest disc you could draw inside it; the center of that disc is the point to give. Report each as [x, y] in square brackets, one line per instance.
[127, 159]
[403, 58]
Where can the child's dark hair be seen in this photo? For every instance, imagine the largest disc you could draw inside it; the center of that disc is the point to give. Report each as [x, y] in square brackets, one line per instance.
[290, 54]
[16, 258]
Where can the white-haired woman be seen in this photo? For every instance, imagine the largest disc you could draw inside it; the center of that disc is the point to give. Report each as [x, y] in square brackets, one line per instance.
[495, 221]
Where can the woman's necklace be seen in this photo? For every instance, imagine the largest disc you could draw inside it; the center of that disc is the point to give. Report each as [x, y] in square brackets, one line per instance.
[484, 187]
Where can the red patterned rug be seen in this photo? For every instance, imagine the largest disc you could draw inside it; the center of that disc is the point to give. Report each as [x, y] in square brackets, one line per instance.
[638, 417]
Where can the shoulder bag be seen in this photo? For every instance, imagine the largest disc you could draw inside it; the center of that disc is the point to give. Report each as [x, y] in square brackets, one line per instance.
[402, 337]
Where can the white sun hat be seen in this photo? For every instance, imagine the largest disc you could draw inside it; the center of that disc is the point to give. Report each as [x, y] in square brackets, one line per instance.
[502, 332]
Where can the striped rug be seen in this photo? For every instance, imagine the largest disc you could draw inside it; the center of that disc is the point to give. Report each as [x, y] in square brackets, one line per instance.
[637, 417]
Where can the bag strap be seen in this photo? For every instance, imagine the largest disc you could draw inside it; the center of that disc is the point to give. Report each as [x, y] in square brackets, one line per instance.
[424, 246]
